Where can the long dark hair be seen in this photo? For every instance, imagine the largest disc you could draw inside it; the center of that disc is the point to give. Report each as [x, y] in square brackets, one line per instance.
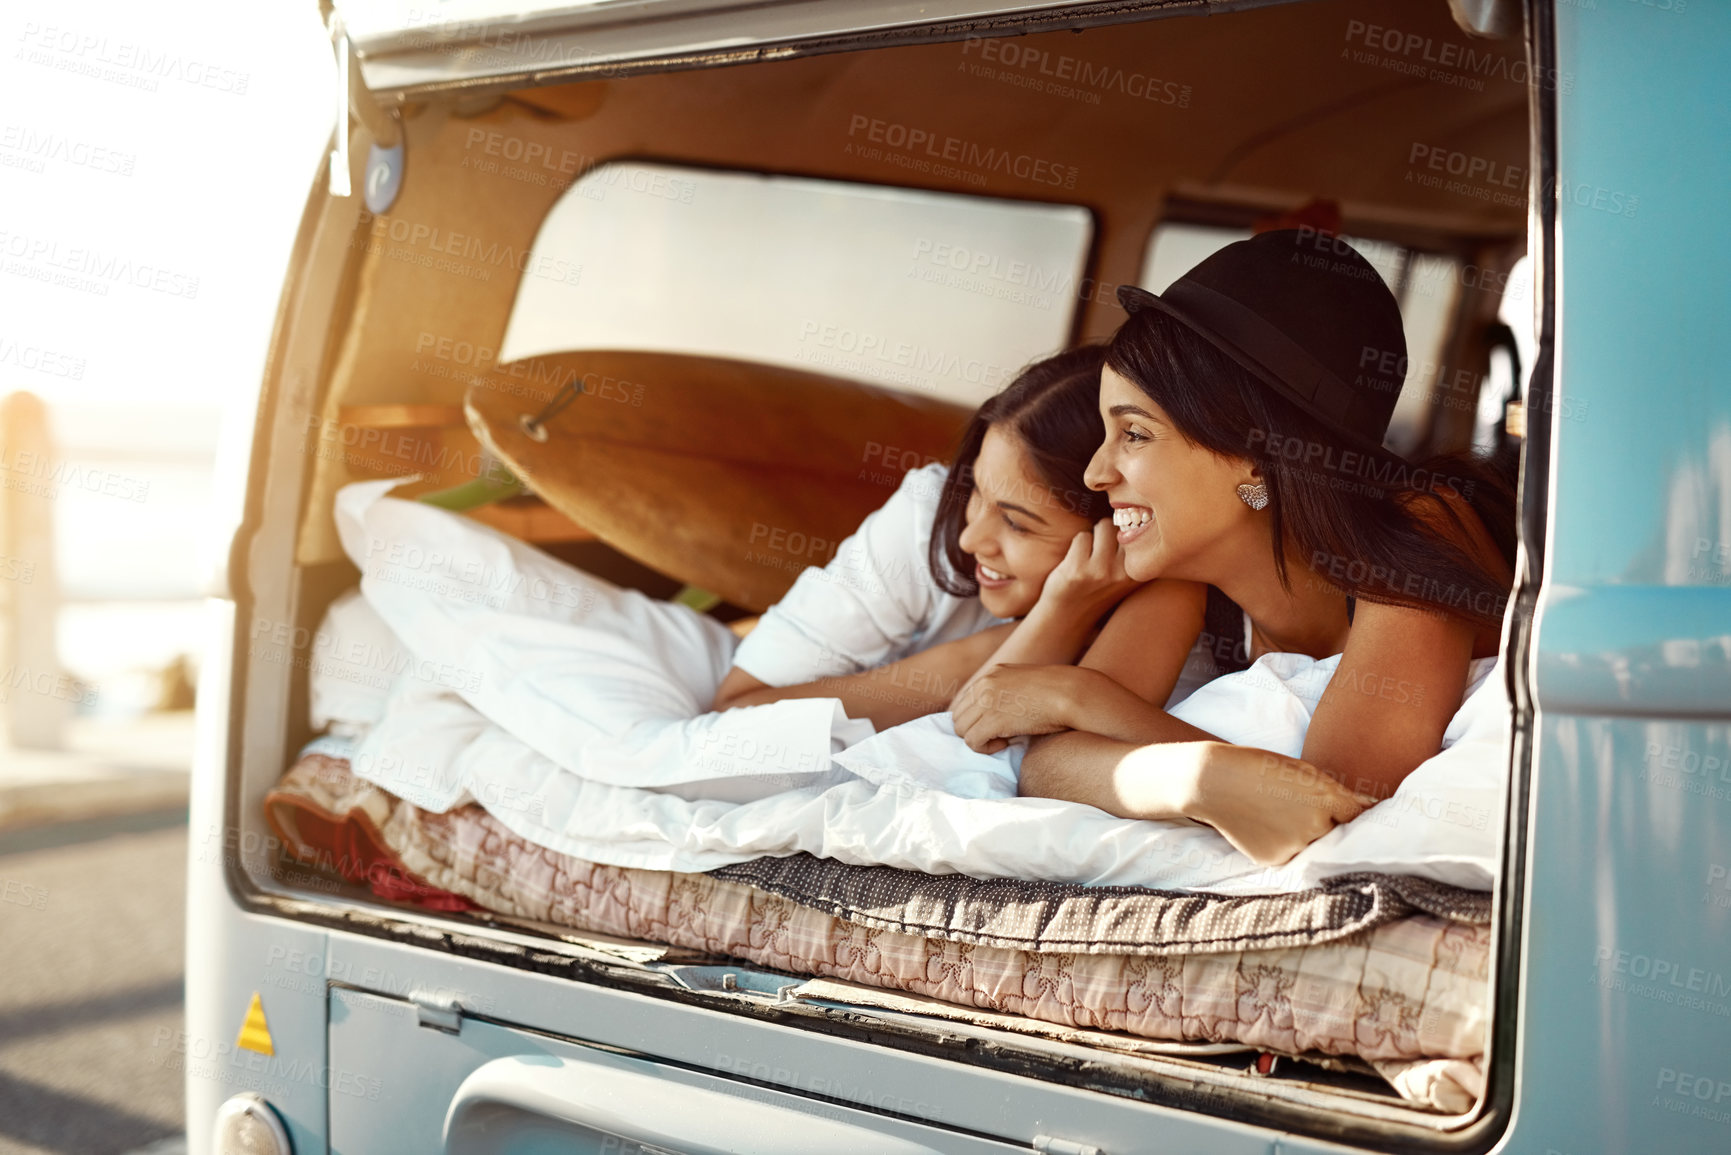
[1365, 522]
[1053, 408]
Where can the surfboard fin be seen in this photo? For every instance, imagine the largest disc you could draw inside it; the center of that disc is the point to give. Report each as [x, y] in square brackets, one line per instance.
[700, 600]
[495, 484]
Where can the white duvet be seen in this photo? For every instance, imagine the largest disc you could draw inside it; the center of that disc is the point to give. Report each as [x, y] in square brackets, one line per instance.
[501, 719]
[603, 681]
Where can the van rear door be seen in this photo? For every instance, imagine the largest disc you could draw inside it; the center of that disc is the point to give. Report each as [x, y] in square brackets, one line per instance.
[410, 1076]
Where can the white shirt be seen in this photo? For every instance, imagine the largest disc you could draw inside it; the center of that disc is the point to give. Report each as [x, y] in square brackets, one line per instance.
[874, 603]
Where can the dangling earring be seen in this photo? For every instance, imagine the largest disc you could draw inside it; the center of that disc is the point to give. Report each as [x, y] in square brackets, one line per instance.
[1254, 495]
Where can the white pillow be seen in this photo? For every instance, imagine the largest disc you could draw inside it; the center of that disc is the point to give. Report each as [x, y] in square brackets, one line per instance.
[355, 660]
[1445, 821]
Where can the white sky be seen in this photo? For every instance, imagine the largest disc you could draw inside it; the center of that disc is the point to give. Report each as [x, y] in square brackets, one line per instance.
[143, 147]
[220, 157]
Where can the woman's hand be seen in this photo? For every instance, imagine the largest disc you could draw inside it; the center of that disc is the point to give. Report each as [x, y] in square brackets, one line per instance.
[1266, 805]
[1091, 578]
[1010, 700]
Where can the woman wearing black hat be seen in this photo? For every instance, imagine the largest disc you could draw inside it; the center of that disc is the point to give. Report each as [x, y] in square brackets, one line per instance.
[1245, 410]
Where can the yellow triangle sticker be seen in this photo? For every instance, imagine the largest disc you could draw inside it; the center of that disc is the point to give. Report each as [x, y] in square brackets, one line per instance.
[255, 1033]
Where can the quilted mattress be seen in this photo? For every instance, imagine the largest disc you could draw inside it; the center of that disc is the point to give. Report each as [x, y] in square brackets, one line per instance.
[1388, 970]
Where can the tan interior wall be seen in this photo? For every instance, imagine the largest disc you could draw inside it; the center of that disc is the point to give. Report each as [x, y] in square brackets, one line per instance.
[1270, 106]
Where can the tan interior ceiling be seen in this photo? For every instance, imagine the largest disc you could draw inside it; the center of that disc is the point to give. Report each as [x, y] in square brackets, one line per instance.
[1269, 107]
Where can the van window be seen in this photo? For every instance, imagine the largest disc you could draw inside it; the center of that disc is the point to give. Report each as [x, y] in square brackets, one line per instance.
[1502, 397]
[934, 293]
[1426, 284]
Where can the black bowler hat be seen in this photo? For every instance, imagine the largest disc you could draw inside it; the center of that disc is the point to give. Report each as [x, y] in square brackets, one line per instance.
[1307, 315]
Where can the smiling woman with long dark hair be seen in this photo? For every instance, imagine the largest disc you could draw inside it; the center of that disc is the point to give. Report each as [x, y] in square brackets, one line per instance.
[1006, 556]
[1244, 411]
[1358, 515]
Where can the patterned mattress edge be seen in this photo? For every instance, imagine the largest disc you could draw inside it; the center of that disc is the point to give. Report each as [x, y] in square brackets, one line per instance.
[1047, 916]
[1408, 993]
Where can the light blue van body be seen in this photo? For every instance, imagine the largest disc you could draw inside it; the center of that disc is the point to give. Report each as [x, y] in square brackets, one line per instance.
[1613, 987]
[1625, 972]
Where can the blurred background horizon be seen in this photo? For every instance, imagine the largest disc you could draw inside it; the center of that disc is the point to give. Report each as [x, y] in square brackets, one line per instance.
[154, 164]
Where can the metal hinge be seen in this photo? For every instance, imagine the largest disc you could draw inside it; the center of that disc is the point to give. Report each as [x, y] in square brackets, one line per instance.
[439, 1014]
[384, 172]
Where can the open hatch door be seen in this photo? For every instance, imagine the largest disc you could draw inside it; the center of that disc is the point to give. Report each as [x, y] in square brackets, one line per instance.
[406, 48]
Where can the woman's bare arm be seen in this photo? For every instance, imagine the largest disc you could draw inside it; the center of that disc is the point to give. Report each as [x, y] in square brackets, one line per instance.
[1087, 583]
[1075, 596]
[1398, 685]
[1386, 707]
[1266, 805]
[1401, 678]
[1146, 641]
[1129, 757]
[889, 695]
[1384, 711]
[1122, 698]
[1079, 766]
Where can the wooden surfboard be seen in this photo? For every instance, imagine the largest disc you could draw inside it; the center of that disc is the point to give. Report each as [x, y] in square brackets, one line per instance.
[732, 476]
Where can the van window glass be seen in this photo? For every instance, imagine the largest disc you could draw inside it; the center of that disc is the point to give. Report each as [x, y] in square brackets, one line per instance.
[935, 293]
[1510, 369]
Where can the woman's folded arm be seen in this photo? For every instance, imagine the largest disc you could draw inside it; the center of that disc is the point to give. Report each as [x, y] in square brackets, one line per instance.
[1124, 754]
[1090, 749]
[1102, 772]
[1116, 691]
[1266, 805]
[1390, 700]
